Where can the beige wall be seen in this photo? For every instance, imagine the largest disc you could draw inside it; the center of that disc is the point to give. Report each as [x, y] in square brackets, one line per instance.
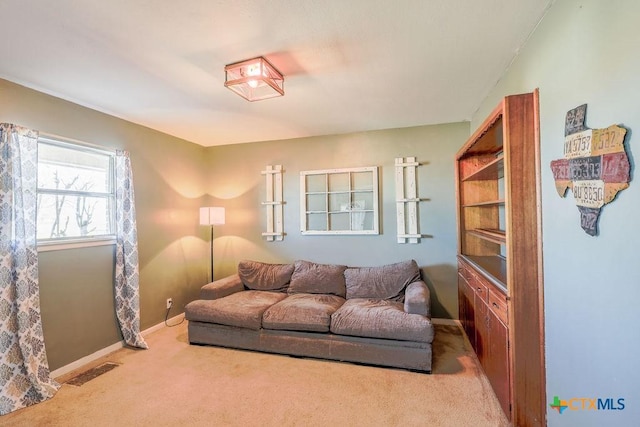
[76, 285]
[235, 182]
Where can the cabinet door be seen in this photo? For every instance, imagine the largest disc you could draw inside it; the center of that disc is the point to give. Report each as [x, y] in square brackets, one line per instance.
[462, 304]
[482, 332]
[467, 312]
[497, 363]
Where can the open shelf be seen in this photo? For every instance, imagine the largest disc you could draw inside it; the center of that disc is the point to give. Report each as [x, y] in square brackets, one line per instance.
[490, 234]
[493, 170]
[488, 203]
[487, 140]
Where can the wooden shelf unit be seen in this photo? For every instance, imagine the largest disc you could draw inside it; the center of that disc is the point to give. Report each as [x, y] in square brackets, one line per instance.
[499, 255]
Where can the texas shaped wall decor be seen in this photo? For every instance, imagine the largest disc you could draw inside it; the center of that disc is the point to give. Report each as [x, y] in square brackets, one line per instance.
[595, 166]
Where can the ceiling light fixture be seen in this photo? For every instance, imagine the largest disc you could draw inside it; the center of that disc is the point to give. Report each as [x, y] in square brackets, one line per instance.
[254, 79]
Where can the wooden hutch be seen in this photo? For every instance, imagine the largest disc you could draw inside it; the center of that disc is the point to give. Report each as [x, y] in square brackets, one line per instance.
[499, 255]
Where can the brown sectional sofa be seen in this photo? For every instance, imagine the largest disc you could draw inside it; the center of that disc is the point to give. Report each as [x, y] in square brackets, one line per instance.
[371, 315]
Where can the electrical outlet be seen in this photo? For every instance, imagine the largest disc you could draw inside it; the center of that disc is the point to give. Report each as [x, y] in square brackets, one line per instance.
[169, 303]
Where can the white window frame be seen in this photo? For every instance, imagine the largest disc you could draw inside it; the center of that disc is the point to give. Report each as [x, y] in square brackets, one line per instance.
[58, 243]
[371, 188]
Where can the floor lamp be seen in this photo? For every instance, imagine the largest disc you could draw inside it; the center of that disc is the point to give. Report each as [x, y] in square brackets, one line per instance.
[212, 215]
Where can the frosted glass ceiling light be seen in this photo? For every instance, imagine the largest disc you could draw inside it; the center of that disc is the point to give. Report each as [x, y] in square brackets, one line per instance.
[254, 79]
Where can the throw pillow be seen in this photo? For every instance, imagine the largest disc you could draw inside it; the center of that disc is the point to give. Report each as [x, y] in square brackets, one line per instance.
[311, 278]
[385, 282]
[262, 276]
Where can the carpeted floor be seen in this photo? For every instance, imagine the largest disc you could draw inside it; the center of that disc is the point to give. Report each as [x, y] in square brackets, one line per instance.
[175, 383]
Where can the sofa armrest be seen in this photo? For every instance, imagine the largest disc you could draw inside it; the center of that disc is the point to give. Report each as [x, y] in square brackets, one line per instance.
[417, 299]
[222, 287]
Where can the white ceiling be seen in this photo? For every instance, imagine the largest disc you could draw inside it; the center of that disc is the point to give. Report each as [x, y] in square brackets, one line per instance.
[349, 65]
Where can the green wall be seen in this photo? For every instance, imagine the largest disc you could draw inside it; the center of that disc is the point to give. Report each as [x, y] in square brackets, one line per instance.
[76, 285]
[235, 182]
[587, 52]
[173, 178]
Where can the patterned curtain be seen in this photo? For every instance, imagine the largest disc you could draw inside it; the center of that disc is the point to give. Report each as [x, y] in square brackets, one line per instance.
[127, 277]
[24, 371]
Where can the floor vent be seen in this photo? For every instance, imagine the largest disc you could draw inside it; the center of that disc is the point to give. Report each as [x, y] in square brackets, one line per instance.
[91, 374]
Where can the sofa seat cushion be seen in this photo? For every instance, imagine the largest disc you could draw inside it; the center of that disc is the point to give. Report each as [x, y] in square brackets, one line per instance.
[373, 318]
[242, 309]
[302, 312]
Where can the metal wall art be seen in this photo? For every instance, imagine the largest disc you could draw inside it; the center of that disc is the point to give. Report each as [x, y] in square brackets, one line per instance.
[595, 166]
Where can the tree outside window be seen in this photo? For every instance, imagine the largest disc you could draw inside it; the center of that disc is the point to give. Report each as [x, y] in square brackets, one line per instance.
[75, 192]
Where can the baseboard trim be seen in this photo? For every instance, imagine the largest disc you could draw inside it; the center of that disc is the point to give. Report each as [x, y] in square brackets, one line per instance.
[161, 325]
[86, 360]
[107, 350]
[447, 322]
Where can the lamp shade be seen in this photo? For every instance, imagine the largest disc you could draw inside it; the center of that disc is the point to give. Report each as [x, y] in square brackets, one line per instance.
[212, 215]
[254, 79]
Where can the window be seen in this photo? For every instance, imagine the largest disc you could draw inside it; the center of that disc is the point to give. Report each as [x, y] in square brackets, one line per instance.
[76, 192]
[339, 201]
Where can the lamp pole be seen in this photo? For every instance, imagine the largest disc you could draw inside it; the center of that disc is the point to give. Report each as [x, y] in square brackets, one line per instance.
[212, 253]
[212, 215]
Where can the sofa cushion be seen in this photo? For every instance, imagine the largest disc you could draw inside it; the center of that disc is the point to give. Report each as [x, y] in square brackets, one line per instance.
[222, 287]
[385, 282]
[302, 312]
[242, 309]
[265, 277]
[375, 318]
[311, 278]
[417, 299]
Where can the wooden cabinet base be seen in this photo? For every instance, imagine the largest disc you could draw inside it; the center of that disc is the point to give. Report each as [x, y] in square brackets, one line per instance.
[481, 307]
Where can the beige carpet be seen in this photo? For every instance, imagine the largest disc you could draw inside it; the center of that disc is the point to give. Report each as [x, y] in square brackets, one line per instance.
[174, 383]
